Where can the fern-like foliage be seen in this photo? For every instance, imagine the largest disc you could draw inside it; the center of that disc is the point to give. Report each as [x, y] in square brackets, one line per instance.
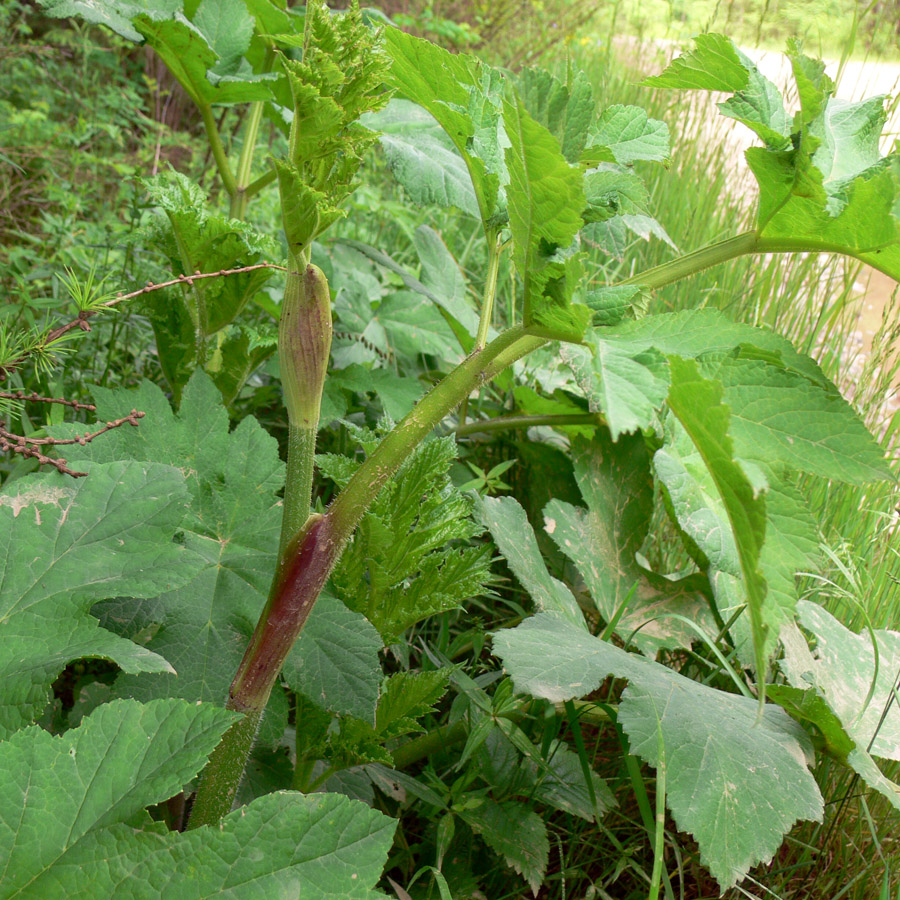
[407, 560]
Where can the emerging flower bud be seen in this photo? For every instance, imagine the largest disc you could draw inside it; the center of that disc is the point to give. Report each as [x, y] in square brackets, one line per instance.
[304, 344]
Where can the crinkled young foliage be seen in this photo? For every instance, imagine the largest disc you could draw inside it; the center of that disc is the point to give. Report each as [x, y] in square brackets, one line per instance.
[194, 239]
[408, 559]
[72, 820]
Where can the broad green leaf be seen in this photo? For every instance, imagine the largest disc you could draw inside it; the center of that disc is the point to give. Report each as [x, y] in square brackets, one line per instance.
[697, 404]
[397, 394]
[693, 332]
[71, 821]
[778, 415]
[823, 182]
[335, 661]
[843, 666]
[233, 523]
[515, 833]
[514, 536]
[461, 317]
[735, 780]
[115, 14]
[713, 65]
[422, 157]
[844, 690]
[443, 277]
[627, 386]
[463, 95]
[603, 539]
[565, 110]
[625, 134]
[546, 198]
[66, 544]
[415, 326]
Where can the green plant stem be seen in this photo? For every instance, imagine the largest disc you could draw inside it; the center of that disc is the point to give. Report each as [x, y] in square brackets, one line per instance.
[217, 789]
[490, 291]
[298, 482]
[218, 151]
[502, 422]
[245, 163]
[258, 184]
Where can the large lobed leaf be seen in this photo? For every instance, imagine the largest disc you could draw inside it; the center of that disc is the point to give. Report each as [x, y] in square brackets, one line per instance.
[233, 525]
[846, 686]
[735, 780]
[72, 821]
[64, 545]
[822, 179]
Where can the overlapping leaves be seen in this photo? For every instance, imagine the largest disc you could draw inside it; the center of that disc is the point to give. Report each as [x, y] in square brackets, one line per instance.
[232, 524]
[734, 781]
[66, 545]
[822, 178]
[72, 820]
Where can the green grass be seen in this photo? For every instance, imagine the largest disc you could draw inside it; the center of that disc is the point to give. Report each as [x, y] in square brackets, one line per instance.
[826, 27]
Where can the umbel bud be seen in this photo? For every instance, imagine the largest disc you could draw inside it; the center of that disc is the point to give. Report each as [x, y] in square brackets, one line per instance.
[304, 344]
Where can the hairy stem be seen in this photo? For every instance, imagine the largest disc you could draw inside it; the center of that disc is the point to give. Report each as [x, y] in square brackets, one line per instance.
[298, 482]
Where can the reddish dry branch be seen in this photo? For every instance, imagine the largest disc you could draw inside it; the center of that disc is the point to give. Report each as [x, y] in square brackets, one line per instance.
[30, 448]
[80, 321]
[36, 398]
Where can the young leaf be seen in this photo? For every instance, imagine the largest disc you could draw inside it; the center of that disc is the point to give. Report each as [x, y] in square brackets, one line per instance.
[71, 820]
[822, 180]
[735, 780]
[546, 198]
[67, 544]
[401, 566]
[715, 64]
[514, 832]
[603, 539]
[565, 110]
[625, 134]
